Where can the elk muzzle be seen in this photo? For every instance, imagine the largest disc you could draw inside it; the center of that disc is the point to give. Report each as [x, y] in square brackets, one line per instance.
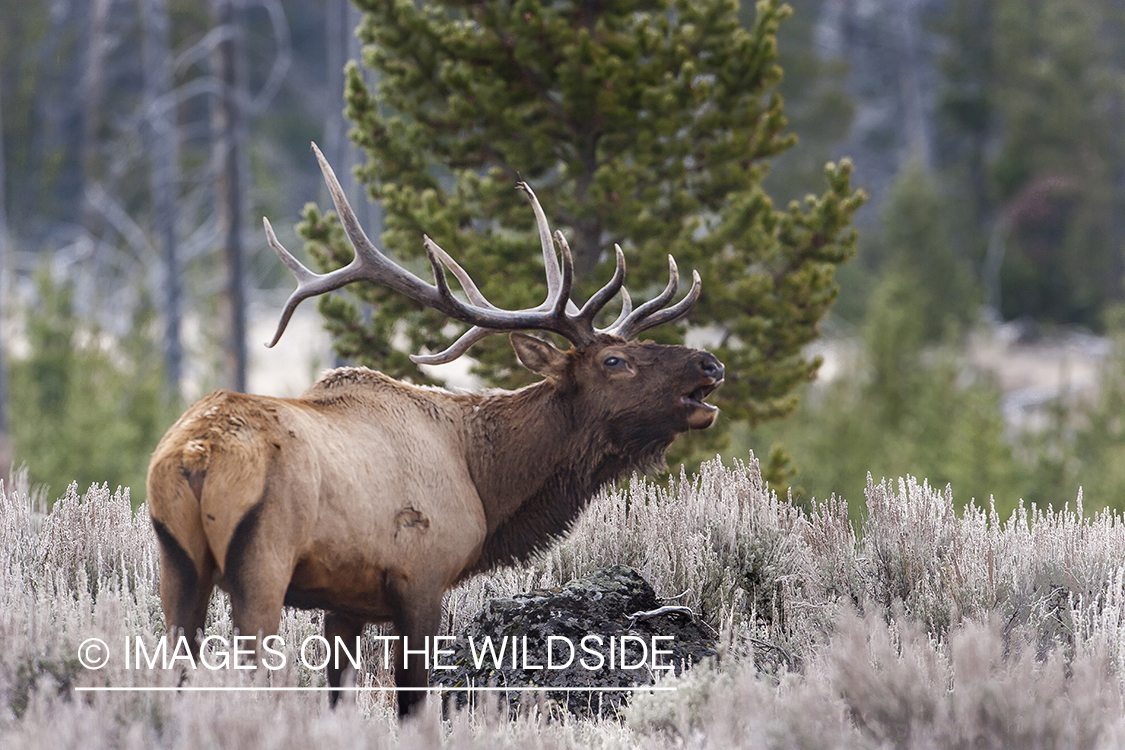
[711, 373]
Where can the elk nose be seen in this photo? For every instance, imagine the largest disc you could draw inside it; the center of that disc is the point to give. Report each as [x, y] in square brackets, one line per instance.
[711, 367]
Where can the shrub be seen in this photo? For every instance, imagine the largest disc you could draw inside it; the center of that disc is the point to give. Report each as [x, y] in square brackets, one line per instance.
[922, 628]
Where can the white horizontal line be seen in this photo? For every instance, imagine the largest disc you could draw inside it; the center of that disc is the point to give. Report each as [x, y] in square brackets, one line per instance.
[443, 688]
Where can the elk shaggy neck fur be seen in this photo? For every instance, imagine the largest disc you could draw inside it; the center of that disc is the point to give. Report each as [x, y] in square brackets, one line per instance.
[539, 464]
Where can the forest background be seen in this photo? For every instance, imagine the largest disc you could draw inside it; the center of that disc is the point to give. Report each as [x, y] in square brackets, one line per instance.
[987, 135]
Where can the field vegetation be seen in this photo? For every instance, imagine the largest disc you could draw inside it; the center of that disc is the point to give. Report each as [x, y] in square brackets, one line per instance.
[920, 627]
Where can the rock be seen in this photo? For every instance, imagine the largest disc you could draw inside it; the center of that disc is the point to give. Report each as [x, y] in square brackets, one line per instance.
[592, 617]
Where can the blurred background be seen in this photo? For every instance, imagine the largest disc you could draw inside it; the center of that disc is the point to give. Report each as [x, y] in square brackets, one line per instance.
[978, 335]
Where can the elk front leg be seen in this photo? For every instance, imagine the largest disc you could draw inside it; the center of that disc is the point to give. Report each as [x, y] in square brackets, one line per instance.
[347, 629]
[417, 623]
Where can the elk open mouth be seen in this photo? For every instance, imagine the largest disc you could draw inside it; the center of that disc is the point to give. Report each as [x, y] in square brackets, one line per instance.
[703, 413]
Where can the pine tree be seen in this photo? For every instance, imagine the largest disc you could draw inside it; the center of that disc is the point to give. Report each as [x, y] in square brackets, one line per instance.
[649, 123]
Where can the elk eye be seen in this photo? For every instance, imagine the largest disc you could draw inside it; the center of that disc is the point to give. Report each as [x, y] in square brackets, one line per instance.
[614, 361]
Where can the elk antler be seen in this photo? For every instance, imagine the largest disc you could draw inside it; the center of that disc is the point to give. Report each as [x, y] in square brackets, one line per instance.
[557, 313]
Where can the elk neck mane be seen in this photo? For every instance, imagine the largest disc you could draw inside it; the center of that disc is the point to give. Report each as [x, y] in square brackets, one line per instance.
[537, 462]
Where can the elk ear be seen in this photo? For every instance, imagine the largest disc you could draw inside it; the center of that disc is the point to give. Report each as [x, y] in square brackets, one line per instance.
[539, 356]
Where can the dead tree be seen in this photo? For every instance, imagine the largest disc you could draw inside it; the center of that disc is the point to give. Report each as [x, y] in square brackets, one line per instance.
[228, 144]
[161, 144]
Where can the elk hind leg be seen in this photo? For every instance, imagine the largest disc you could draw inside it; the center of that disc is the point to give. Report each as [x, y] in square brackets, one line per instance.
[348, 630]
[185, 589]
[256, 576]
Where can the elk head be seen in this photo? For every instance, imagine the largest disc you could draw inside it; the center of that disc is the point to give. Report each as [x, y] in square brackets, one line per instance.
[647, 392]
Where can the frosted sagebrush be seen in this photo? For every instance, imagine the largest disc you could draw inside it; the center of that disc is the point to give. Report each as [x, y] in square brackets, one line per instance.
[891, 685]
[973, 631]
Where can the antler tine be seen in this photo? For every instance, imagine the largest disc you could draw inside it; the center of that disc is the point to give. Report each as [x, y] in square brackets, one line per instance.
[568, 257]
[456, 349]
[550, 260]
[626, 308]
[434, 253]
[471, 290]
[362, 245]
[634, 324]
[659, 300]
[304, 277]
[649, 315]
[368, 264]
[491, 317]
[562, 300]
[309, 284]
[601, 297]
[371, 264]
[298, 268]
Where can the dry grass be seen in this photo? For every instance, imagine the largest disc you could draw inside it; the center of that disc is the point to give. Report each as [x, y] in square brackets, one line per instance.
[928, 628]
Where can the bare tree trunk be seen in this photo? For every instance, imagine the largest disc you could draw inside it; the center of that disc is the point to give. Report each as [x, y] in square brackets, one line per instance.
[1115, 282]
[342, 17]
[164, 176]
[92, 98]
[337, 35]
[910, 83]
[343, 45]
[228, 66]
[5, 443]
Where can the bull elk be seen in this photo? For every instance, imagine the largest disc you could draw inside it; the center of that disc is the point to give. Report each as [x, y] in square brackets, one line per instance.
[369, 497]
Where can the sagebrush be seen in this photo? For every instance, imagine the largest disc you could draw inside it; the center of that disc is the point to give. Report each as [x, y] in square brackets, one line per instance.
[924, 627]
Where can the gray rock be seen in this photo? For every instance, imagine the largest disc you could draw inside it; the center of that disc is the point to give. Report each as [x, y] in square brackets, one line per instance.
[595, 612]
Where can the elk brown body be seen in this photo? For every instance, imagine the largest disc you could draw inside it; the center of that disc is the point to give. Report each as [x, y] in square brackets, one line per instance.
[369, 497]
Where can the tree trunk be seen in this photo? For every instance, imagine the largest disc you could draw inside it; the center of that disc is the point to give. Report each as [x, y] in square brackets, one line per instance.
[1116, 280]
[342, 17]
[228, 142]
[337, 35]
[160, 136]
[93, 97]
[915, 120]
[5, 445]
